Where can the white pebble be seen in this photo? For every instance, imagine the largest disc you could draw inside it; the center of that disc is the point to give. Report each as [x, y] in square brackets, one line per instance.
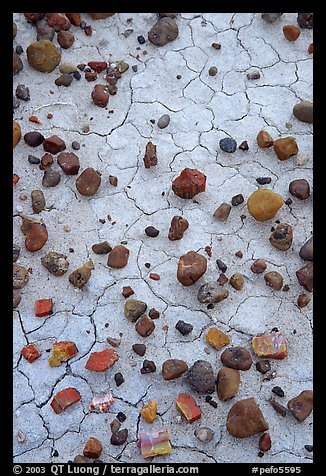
[19, 209]
[301, 159]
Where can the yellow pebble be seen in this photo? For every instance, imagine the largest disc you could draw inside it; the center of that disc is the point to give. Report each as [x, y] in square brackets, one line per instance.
[148, 412]
[217, 338]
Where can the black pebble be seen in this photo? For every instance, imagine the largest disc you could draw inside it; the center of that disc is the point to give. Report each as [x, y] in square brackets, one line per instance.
[75, 145]
[55, 454]
[141, 39]
[151, 231]
[222, 266]
[118, 377]
[260, 454]
[228, 145]
[288, 201]
[76, 75]
[278, 391]
[121, 417]
[263, 180]
[275, 329]
[33, 160]
[244, 145]
[309, 448]
[184, 327]
[147, 265]
[19, 49]
[237, 199]
[148, 367]
[213, 403]
[208, 398]
[134, 68]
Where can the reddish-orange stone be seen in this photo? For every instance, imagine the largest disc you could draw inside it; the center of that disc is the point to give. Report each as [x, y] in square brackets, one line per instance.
[188, 407]
[101, 361]
[43, 307]
[291, 32]
[311, 48]
[189, 183]
[30, 352]
[74, 18]
[271, 345]
[36, 237]
[93, 448]
[15, 179]
[98, 66]
[64, 399]
[154, 276]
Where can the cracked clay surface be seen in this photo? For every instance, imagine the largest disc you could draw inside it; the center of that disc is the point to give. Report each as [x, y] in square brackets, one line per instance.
[203, 109]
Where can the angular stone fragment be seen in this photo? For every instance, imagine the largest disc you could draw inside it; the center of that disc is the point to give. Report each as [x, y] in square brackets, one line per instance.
[264, 139]
[164, 31]
[263, 366]
[56, 263]
[305, 20]
[301, 406]
[62, 351]
[58, 21]
[118, 257]
[222, 212]
[54, 144]
[93, 448]
[274, 280]
[201, 377]
[20, 276]
[184, 327]
[100, 16]
[305, 276]
[258, 266]
[51, 178]
[271, 17]
[173, 368]
[65, 39]
[148, 412]
[237, 358]
[228, 382]
[281, 238]
[98, 66]
[43, 307]
[217, 338]
[17, 64]
[189, 183]
[102, 402]
[80, 277]
[100, 95]
[64, 399]
[102, 248]
[263, 204]
[303, 300]
[177, 228]
[148, 367]
[211, 293]
[188, 407]
[285, 148]
[30, 352]
[271, 346]
[245, 419]
[154, 442]
[88, 182]
[43, 56]
[38, 201]
[144, 326]
[127, 291]
[150, 158]
[280, 409]
[307, 252]
[237, 281]
[300, 188]
[17, 133]
[102, 361]
[133, 309]
[191, 267]
[304, 111]
[69, 163]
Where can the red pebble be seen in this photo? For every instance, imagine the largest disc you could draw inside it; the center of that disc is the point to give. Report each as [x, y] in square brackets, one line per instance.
[311, 48]
[98, 66]
[154, 276]
[265, 442]
[43, 307]
[15, 179]
[30, 352]
[64, 399]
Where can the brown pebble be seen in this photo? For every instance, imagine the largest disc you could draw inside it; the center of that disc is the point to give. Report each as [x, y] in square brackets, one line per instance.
[191, 267]
[127, 291]
[222, 212]
[118, 257]
[237, 358]
[245, 419]
[274, 280]
[300, 188]
[90, 76]
[88, 182]
[20, 276]
[102, 248]
[144, 326]
[80, 277]
[258, 266]
[69, 163]
[239, 254]
[303, 300]
[173, 368]
[38, 201]
[46, 161]
[93, 448]
[280, 409]
[222, 279]
[228, 381]
[305, 276]
[153, 314]
[53, 144]
[291, 32]
[100, 95]
[177, 228]
[51, 178]
[237, 281]
[140, 349]
[285, 148]
[119, 437]
[36, 236]
[264, 139]
[281, 238]
[265, 442]
[301, 406]
[65, 39]
[150, 158]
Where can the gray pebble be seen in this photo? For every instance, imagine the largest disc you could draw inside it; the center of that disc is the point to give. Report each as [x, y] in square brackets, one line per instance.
[213, 71]
[64, 80]
[15, 102]
[163, 121]
[204, 434]
[67, 68]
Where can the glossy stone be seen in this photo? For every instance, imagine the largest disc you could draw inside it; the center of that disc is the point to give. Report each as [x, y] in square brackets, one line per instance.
[177, 228]
[187, 406]
[64, 399]
[102, 361]
[282, 237]
[118, 257]
[285, 148]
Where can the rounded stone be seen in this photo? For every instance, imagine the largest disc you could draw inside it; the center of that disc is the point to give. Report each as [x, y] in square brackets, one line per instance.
[291, 32]
[265, 442]
[100, 95]
[69, 163]
[211, 293]
[300, 189]
[102, 248]
[151, 231]
[274, 280]
[38, 201]
[285, 148]
[222, 212]
[173, 368]
[133, 309]
[304, 111]
[228, 382]
[191, 267]
[237, 281]
[33, 139]
[119, 438]
[65, 39]
[36, 236]
[68, 68]
[17, 64]
[301, 406]
[20, 276]
[245, 419]
[17, 133]
[264, 139]
[228, 145]
[258, 266]
[164, 31]
[263, 204]
[306, 252]
[43, 56]
[51, 178]
[204, 434]
[118, 257]
[213, 71]
[282, 237]
[144, 326]
[163, 121]
[56, 263]
[237, 358]
[201, 377]
[64, 80]
[88, 182]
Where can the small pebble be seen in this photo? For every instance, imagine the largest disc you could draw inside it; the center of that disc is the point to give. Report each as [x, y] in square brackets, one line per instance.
[216, 46]
[76, 75]
[19, 49]
[134, 68]
[140, 349]
[278, 391]
[15, 102]
[300, 189]
[239, 254]
[309, 448]
[228, 145]
[64, 80]
[119, 437]
[163, 121]
[258, 266]
[148, 367]
[213, 71]
[280, 409]
[222, 266]
[118, 378]
[244, 145]
[75, 145]
[151, 231]
[204, 434]
[263, 180]
[237, 200]
[184, 327]
[213, 403]
[274, 280]
[141, 39]
[33, 160]
[121, 417]
[263, 366]
[253, 75]
[22, 92]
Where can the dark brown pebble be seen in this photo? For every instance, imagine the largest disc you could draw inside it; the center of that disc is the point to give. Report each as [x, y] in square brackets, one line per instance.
[154, 314]
[263, 366]
[244, 145]
[147, 265]
[148, 367]
[88, 30]
[140, 349]
[306, 251]
[115, 425]
[144, 326]
[33, 160]
[100, 95]
[54, 144]
[46, 161]
[119, 437]
[118, 378]
[184, 327]
[51, 178]
[222, 266]
[121, 417]
[88, 182]
[102, 248]
[22, 92]
[237, 358]
[64, 80]
[213, 403]
[75, 145]
[127, 291]
[151, 231]
[305, 276]
[15, 252]
[263, 180]
[278, 407]
[239, 254]
[237, 200]
[301, 406]
[17, 64]
[258, 266]
[309, 448]
[65, 39]
[33, 139]
[222, 279]
[300, 188]
[69, 163]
